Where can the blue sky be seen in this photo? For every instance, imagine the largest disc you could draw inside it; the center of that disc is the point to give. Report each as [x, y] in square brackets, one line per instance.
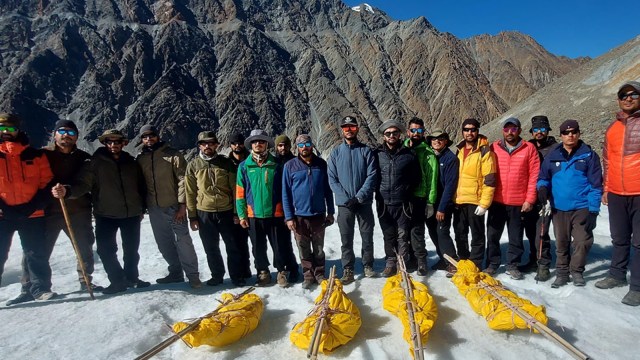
[570, 28]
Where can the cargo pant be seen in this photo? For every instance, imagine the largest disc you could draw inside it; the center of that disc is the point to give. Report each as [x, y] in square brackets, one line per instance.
[309, 236]
[346, 224]
[568, 225]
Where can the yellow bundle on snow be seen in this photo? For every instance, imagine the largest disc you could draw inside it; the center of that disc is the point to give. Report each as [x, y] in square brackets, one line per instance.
[499, 316]
[233, 321]
[342, 320]
[424, 307]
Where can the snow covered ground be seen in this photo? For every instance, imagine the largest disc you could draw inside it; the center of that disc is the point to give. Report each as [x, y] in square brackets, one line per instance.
[126, 325]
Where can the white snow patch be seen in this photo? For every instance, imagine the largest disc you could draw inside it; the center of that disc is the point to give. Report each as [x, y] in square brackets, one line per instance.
[365, 7]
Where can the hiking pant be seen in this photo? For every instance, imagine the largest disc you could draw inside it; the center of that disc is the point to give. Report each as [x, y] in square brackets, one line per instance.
[568, 225]
[395, 221]
[285, 247]
[463, 219]
[107, 245]
[536, 228]
[34, 251]
[241, 238]
[440, 234]
[214, 225]
[309, 236]
[417, 233]
[346, 223]
[261, 229]
[82, 226]
[624, 224]
[498, 215]
[174, 242]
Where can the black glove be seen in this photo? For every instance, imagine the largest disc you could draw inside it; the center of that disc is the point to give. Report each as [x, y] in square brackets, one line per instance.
[591, 221]
[543, 195]
[352, 204]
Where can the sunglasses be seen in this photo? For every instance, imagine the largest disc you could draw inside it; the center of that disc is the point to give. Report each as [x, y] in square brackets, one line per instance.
[391, 133]
[473, 129]
[540, 129]
[570, 132]
[148, 136]
[441, 139]
[306, 144]
[633, 95]
[67, 132]
[9, 128]
[113, 142]
[417, 130]
[261, 142]
[349, 128]
[511, 130]
[207, 143]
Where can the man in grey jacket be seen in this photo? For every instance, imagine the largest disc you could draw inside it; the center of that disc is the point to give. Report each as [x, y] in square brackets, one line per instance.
[353, 177]
[163, 168]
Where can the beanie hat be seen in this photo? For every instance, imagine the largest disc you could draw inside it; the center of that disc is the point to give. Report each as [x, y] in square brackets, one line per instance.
[64, 123]
[148, 129]
[473, 122]
[236, 138]
[389, 124]
[283, 139]
[540, 121]
[7, 119]
[569, 125]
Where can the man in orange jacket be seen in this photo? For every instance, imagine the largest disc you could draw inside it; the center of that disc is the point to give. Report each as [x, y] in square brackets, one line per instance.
[621, 156]
[25, 178]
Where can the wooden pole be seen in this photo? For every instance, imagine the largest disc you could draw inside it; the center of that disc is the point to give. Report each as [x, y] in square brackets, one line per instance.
[418, 351]
[542, 328]
[314, 344]
[74, 243]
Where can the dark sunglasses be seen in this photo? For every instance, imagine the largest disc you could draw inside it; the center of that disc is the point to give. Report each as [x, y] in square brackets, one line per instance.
[540, 129]
[391, 133]
[262, 142]
[9, 128]
[511, 130]
[207, 143]
[417, 130]
[633, 95]
[148, 136]
[67, 132]
[113, 142]
[441, 139]
[473, 129]
[306, 144]
[349, 128]
[572, 132]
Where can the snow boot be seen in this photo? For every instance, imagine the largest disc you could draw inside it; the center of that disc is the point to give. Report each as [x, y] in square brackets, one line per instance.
[610, 282]
[632, 298]
[22, 298]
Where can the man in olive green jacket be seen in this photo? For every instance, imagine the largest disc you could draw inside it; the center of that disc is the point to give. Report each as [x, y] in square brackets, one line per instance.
[210, 183]
[163, 168]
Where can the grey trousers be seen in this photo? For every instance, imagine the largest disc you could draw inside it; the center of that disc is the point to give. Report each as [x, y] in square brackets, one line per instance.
[174, 242]
[571, 234]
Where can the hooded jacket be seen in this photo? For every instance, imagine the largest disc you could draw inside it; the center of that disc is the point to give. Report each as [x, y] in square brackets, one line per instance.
[621, 155]
[517, 173]
[353, 173]
[163, 168]
[477, 180]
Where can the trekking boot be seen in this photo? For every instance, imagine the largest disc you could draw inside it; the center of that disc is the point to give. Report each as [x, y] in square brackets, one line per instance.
[389, 271]
[139, 284]
[440, 265]
[369, 272]
[239, 282]
[195, 283]
[560, 281]
[347, 276]
[529, 267]
[214, 281]
[422, 270]
[412, 265]
[543, 273]
[491, 271]
[22, 298]
[307, 283]
[294, 276]
[319, 278]
[264, 278]
[171, 278]
[512, 270]
[115, 288]
[578, 279]
[610, 282]
[45, 295]
[94, 287]
[632, 298]
[281, 279]
[451, 270]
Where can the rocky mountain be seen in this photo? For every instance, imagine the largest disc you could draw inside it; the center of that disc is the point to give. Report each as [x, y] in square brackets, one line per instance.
[516, 65]
[234, 65]
[587, 94]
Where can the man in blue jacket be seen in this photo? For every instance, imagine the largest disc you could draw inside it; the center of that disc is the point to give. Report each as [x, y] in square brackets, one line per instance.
[307, 201]
[353, 178]
[573, 175]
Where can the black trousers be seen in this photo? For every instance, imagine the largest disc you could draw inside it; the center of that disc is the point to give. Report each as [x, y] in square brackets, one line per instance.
[464, 219]
[285, 248]
[395, 223]
[417, 233]
[440, 234]
[261, 230]
[107, 247]
[536, 228]
[624, 224]
[499, 214]
[241, 238]
[214, 225]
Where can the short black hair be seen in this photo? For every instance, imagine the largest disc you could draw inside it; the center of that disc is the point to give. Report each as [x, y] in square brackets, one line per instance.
[417, 121]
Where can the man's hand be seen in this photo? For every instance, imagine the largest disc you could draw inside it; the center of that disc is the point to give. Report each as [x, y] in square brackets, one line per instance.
[526, 207]
[605, 198]
[181, 214]
[440, 216]
[352, 204]
[329, 220]
[546, 209]
[236, 219]
[244, 223]
[291, 225]
[480, 211]
[58, 191]
[591, 221]
[194, 224]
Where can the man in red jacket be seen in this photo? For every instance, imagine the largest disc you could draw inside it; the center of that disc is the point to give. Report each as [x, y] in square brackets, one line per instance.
[25, 178]
[518, 167]
[621, 156]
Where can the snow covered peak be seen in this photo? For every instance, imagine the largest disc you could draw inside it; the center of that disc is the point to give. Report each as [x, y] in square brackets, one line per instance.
[365, 7]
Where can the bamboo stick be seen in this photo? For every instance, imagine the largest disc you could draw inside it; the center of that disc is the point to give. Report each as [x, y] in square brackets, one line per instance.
[542, 328]
[418, 351]
[314, 344]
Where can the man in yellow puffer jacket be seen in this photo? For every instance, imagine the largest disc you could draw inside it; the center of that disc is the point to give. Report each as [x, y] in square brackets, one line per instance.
[476, 186]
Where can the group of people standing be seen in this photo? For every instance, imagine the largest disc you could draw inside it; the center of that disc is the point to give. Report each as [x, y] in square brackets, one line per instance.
[255, 194]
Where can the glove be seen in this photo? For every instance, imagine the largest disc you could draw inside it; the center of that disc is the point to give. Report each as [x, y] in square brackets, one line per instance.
[480, 211]
[352, 204]
[591, 221]
[546, 209]
[543, 195]
[428, 211]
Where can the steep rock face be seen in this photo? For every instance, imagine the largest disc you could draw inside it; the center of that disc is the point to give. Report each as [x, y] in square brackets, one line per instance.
[516, 65]
[231, 65]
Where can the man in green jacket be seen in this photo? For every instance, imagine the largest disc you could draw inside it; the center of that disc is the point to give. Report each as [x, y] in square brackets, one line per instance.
[210, 183]
[424, 196]
[163, 168]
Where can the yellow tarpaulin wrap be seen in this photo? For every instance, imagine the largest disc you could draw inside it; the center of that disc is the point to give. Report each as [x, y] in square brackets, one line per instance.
[233, 321]
[342, 322]
[498, 315]
[425, 310]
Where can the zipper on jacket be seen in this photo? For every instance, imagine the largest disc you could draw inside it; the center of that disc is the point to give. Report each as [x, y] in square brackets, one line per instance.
[126, 205]
[153, 177]
[624, 141]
